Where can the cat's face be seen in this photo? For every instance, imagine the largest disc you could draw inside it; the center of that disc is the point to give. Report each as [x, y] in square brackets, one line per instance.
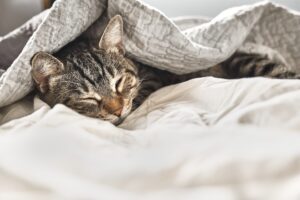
[97, 82]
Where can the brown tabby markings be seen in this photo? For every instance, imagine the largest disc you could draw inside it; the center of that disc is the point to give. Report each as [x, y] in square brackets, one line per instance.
[102, 82]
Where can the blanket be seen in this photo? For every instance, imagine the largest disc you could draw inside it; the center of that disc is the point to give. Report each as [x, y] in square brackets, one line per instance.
[150, 37]
[207, 138]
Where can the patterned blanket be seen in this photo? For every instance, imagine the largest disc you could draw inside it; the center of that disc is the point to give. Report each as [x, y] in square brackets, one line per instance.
[180, 46]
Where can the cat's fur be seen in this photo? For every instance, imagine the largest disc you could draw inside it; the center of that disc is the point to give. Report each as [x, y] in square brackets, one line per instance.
[102, 82]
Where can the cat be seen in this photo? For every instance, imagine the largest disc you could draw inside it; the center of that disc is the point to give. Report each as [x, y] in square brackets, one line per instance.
[102, 82]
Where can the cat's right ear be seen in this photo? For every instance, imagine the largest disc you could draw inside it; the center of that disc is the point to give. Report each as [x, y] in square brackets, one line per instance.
[112, 37]
[44, 66]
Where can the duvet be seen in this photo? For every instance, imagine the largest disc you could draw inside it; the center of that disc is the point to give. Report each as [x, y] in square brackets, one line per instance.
[207, 138]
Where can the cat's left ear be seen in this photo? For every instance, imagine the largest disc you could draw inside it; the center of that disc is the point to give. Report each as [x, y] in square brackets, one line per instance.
[44, 66]
[112, 38]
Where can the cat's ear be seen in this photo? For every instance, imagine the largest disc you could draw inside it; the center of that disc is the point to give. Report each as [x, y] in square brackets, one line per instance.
[44, 66]
[112, 38]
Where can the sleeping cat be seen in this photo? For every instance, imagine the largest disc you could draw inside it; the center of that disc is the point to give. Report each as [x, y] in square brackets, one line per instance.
[102, 82]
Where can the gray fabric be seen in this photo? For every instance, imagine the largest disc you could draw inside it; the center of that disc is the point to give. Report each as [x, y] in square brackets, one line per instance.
[154, 39]
[1, 71]
[12, 44]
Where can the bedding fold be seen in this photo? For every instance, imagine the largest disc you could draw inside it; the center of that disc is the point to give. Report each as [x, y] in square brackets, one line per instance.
[206, 138]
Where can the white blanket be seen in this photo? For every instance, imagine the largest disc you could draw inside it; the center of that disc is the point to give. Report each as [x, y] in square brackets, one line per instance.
[206, 138]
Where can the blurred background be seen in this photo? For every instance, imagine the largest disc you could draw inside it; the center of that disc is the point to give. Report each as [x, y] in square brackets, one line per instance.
[13, 13]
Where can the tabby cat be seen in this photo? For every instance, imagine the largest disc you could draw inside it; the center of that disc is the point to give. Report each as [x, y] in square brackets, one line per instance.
[102, 82]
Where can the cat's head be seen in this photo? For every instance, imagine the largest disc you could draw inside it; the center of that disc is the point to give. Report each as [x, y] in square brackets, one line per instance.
[97, 82]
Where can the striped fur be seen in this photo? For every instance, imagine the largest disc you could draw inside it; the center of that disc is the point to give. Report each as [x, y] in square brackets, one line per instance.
[102, 82]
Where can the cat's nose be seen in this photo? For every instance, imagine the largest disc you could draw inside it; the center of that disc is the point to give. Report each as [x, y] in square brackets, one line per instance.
[114, 106]
[118, 112]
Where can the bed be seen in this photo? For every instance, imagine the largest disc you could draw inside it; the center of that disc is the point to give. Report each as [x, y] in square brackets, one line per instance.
[206, 138]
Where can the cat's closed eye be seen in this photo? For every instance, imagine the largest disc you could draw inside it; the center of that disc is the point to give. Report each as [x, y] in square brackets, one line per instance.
[120, 85]
[125, 84]
[92, 100]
